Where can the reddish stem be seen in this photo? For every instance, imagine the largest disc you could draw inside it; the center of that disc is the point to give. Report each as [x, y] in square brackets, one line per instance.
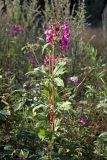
[49, 69]
[53, 98]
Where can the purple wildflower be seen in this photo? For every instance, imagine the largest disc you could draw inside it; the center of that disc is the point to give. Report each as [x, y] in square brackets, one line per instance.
[64, 41]
[66, 31]
[63, 37]
[55, 30]
[52, 32]
[73, 79]
[49, 36]
[16, 29]
[64, 45]
[83, 122]
[31, 59]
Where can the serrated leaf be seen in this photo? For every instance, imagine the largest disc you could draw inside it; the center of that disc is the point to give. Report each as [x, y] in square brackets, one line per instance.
[59, 69]
[59, 82]
[38, 72]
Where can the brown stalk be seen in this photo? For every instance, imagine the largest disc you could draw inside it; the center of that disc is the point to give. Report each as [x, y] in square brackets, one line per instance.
[49, 69]
[53, 99]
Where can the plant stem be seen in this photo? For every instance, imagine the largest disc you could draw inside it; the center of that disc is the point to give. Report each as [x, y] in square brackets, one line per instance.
[53, 98]
[49, 69]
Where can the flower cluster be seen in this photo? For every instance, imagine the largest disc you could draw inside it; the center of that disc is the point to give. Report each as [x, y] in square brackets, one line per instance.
[64, 41]
[83, 122]
[51, 33]
[16, 29]
[59, 33]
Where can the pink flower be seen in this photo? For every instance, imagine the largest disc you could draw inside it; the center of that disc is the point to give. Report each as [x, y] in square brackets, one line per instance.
[16, 29]
[66, 31]
[83, 122]
[55, 30]
[51, 33]
[49, 36]
[31, 59]
[51, 117]
[65, 97]
[64, 45]
[61, 34]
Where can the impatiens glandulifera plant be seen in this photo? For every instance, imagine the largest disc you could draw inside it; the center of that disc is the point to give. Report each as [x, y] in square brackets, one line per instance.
[50, 74]
[60, 35]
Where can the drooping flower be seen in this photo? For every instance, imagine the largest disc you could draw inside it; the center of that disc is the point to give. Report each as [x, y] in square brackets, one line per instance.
[16, 29]
[83, 122]
[51, 117]
[64, 45]
[66, 31]
[51, 33]
[49, 36]
[65, 97]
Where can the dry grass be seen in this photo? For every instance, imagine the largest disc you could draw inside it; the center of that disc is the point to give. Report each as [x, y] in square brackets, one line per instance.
[97, 39]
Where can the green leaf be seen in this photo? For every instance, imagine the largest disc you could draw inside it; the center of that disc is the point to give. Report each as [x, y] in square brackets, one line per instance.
[8, 147]
[59, 82]
[5, 112]
[102, 137]
[92, 53]
[102, 105]
[64, 105]
[37, 107]
[57, 124]
[59, 69]
[105, 152]
[38, 72]
[44, 47]
[23, 153]
[84, 102]
[42, 134]
[19, 104]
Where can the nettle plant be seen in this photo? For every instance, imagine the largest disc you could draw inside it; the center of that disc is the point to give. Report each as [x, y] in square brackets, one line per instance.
[51, 98]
